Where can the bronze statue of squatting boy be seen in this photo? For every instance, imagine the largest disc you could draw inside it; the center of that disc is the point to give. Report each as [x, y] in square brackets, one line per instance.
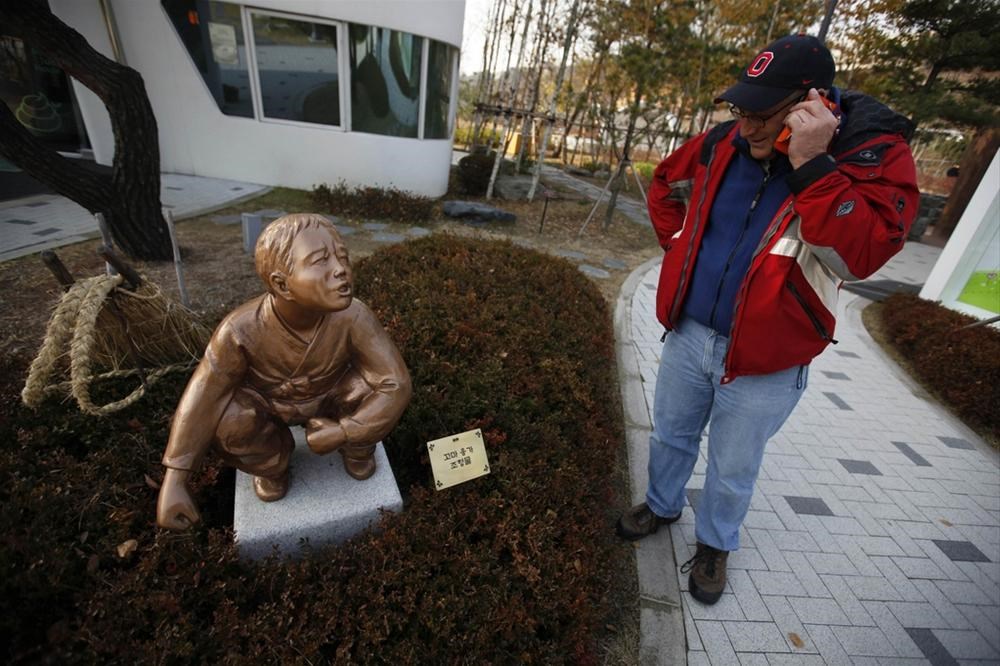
[304, 353]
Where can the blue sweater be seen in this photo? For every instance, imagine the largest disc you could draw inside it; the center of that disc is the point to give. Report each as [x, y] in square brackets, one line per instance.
[748, 199]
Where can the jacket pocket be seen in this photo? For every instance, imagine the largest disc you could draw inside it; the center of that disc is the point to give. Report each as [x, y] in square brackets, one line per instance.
[817, 324]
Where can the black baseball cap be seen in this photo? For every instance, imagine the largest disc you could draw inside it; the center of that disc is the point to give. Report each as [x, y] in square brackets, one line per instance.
[796, 62]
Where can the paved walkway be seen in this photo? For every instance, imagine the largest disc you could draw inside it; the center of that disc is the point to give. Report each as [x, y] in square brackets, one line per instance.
[45, 221]
[874, 532]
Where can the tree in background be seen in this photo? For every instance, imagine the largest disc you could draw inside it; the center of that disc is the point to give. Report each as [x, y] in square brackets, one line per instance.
[129, 198]
[934, 60]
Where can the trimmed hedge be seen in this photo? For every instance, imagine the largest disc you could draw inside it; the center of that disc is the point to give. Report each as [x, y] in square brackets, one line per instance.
[373, 203]
[513, 567]
[961, 366]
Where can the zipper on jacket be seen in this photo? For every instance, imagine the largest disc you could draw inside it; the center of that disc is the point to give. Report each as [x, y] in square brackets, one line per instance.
[672, 315]
[809, 313]
[766, 166]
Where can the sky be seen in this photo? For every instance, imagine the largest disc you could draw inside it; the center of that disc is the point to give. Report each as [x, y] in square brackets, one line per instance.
[474, 34]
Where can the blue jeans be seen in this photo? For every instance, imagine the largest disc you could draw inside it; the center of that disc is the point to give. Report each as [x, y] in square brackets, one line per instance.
[744, 414]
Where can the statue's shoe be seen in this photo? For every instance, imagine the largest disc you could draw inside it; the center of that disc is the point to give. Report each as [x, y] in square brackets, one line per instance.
[359, 467]
[270, 489]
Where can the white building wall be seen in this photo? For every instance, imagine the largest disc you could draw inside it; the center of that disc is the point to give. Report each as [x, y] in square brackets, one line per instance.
[974, 236]
[196, 138]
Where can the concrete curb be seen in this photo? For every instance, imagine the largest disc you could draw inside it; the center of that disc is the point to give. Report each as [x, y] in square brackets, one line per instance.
[661, 623]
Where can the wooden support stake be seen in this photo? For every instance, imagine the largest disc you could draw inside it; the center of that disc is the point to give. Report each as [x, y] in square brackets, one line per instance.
[102, 224]
[58, 268]
[131, 276]
[178, 267]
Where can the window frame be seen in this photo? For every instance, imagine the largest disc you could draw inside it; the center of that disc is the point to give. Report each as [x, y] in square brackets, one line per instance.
[343, 73]
[255, 84]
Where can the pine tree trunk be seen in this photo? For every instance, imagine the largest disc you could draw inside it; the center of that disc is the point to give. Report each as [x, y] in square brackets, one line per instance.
[130, 197]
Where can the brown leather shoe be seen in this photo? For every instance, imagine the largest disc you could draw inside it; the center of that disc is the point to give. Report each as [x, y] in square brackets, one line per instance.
[271, 489]
[359, 461]
[640, 521]
[707, 571]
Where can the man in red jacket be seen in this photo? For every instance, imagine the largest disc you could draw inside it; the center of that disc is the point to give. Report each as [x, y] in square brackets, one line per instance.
[759, 229]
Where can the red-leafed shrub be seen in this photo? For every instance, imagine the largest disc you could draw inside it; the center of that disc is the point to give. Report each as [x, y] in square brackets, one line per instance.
[373, 203]
[961, 365]
[513, 567]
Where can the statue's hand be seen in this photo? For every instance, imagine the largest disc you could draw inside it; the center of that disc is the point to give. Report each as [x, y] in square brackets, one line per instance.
[324, 435]
[175, 509]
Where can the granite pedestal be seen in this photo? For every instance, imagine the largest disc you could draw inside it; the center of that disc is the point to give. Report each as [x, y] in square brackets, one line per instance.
[323, 504]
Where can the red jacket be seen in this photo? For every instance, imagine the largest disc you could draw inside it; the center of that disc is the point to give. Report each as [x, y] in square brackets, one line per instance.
[848, 214]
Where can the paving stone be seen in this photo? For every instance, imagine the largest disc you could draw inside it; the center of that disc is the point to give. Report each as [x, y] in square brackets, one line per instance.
[819, 611]
[931, 647]
[797, 636]
[860, 467]
[960, 551]
[716, 643]
[892, 629]
[919, 567]
[345, 230]
[957, 443]
[812, 506]
[388, 238]
[573, 255]
[785, 659]
[831, 563]
[777, 583]
[749, 599]
[614, 264]
[864, 641]
[593, 271]
[966, 645]
[272, 213]
[908, 451]
[374, 226]
[838, 401]
[418, 232]
[985, 620]
[917, 614]
[693, 495]
[754, 636]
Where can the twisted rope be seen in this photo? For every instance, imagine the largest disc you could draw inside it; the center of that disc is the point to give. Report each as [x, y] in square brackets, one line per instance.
[74, 322]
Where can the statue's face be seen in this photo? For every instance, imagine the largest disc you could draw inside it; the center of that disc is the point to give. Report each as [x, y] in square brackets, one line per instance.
[321, 272]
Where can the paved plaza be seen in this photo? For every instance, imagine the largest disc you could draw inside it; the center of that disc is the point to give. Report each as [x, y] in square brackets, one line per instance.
[874, 532]
[44, 221]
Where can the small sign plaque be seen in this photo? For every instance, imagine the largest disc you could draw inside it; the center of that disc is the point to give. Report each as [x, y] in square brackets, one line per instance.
[458, 458]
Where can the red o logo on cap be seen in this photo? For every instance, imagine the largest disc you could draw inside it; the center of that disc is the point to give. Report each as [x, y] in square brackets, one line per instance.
[760, 64]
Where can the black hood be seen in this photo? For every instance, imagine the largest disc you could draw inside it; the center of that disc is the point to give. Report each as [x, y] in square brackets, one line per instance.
[867, 119]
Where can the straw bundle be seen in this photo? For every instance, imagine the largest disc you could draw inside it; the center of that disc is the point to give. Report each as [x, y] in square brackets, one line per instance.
[99, 325]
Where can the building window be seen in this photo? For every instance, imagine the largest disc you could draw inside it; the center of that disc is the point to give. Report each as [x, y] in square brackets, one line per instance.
[385, 81]
[272, 66]
[439, 75]
[212, 33]
[297, 67]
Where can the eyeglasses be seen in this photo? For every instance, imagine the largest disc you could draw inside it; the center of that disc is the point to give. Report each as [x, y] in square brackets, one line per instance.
[756, 122]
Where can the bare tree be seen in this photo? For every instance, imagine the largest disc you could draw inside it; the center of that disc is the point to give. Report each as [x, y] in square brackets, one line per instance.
[511, 97]
[567, 47]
